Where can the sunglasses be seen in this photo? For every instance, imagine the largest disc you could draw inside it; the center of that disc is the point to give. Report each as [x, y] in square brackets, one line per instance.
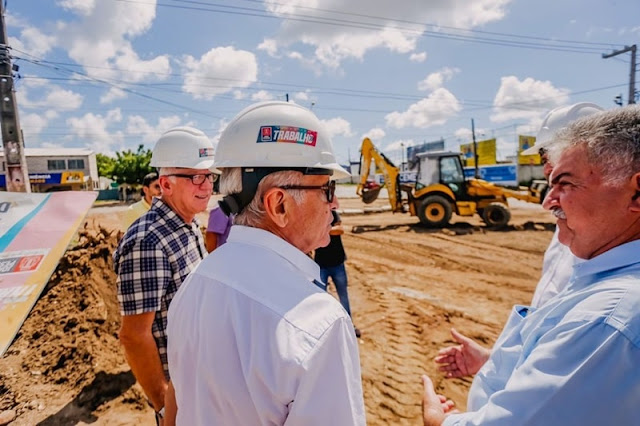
[199, 178]
[329, 189]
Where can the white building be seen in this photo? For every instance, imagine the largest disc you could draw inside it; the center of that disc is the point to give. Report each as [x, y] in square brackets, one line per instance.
[58, 169]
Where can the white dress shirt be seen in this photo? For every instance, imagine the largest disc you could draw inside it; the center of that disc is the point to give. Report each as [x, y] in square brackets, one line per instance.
[557, 267]
[575, 360]
[254, 341]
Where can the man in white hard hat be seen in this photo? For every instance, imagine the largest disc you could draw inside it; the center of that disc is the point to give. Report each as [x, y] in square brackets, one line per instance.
[158, 251]
[574, 360]
[254, 338]
[466, 358]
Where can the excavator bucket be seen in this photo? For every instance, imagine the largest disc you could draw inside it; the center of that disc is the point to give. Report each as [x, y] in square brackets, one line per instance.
[370, 195]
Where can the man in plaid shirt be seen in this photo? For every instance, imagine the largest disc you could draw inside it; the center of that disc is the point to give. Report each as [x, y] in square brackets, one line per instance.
[157, 253]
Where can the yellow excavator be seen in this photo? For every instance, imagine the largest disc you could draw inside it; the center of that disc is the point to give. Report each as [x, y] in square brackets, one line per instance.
[440, 189]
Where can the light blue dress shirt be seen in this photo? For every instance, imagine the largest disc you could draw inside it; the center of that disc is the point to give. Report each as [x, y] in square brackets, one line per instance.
[575, 360]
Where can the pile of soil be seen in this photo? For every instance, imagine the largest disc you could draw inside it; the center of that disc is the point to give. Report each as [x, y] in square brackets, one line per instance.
[408, 285]
[68, 346]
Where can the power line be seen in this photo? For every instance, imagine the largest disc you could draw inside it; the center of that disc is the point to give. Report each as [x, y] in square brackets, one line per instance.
[245, 11]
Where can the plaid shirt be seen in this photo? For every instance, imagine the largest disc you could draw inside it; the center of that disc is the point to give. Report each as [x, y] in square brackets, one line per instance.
[152, 260]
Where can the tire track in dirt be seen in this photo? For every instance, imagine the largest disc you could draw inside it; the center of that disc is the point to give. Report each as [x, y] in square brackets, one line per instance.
[408, 288]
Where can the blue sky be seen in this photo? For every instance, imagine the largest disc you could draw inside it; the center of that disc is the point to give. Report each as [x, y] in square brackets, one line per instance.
[111, 74]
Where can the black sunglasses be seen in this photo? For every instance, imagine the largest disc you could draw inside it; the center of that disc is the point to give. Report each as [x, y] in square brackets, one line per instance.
[199, 178]
[329, 189]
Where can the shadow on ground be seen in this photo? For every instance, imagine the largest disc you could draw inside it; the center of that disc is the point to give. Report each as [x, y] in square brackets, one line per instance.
[458, 228]
[104, 388]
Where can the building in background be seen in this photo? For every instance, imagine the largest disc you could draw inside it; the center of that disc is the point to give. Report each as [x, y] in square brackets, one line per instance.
[58, 169]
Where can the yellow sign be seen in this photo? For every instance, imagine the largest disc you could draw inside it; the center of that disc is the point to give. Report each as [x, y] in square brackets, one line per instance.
[526, 142]
[486, 153]
[72, 177]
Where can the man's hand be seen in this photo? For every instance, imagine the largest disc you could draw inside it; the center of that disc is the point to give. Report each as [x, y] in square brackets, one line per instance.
[464, 359]
[435, 408]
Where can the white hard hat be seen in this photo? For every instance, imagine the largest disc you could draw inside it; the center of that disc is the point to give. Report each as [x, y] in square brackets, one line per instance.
[277, 134]
[183, 147]
[556, 120]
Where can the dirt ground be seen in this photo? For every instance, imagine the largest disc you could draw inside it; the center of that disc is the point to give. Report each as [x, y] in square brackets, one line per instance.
[408, 286]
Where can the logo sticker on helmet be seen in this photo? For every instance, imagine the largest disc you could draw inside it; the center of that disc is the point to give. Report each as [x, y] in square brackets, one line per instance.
[205, 152]
[287, 134]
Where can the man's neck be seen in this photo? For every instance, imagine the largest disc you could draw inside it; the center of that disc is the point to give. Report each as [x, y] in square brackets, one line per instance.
[185, 217]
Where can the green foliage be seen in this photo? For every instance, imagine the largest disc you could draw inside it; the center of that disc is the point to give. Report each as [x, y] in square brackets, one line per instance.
[128, 166]
[105, 165]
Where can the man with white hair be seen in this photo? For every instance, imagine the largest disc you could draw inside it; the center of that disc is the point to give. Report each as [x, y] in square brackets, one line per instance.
[254, 338]
[157, 253]
[466, 358]
[575, 359]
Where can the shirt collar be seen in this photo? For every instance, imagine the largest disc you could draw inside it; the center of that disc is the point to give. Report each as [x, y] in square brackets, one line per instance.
[165, 212]
[618, 257]
[260, 237]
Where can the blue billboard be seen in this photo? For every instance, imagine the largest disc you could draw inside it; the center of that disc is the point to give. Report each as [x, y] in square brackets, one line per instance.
[504, 174]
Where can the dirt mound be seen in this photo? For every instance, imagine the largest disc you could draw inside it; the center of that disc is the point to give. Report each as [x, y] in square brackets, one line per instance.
[69, 345]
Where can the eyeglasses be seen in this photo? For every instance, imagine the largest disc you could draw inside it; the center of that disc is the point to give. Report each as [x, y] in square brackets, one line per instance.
[199, 178]
[329, 189]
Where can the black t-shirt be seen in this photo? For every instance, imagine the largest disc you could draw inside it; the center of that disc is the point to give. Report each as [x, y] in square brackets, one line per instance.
[333, 254]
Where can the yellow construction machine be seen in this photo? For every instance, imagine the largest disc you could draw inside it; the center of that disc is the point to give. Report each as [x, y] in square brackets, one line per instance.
[440, 189]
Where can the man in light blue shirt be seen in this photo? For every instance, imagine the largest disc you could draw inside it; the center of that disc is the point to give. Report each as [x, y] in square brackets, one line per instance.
[575, 360]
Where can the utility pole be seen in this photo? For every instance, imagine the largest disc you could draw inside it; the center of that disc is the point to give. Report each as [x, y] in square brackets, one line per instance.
[475, 149]
[632, 75]
[16, 174]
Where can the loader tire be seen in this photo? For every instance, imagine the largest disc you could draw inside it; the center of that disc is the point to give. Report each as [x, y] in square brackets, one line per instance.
[435, 211]
[496, 215]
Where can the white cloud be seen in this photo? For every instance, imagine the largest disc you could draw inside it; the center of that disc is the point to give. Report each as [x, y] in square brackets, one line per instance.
[33, 41]
[526, 99]
[65, 100]
[101, 39]
[388, 26]
[301, 96]
[375, 134]
[418, 57]
[270, 46]
[83, 7]
[436, 80]
[32, 125]
[219, 71]
[262, 95]
[93, 128]
[113, 94]
[433, 110]
[138, 125]
[337, 126]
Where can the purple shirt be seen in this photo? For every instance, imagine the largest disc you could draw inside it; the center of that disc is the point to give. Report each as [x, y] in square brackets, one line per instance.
[220, 224]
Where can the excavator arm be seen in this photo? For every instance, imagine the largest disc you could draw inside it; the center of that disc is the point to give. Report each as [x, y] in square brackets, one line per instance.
[369, 192]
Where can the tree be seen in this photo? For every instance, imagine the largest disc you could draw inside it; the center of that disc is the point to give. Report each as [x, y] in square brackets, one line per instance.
[105, 165]
[131, 167]
[128, 166]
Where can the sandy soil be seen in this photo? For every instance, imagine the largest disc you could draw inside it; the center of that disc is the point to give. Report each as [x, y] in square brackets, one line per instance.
[408, 286]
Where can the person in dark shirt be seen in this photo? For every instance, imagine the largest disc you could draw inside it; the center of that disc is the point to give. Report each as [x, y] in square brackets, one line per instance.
[331, 261]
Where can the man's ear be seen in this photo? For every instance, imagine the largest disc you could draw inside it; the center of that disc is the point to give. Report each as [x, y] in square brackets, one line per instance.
[277, 206]
[165, 184]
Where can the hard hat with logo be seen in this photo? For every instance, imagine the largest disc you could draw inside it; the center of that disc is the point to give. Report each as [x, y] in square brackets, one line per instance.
[556, 120]
[183, 147]
[274, 136]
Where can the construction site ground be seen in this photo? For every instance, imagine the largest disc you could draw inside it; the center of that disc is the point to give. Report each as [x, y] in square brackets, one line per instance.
[408, 286]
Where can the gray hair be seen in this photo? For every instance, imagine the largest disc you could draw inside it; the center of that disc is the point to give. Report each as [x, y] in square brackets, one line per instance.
[612, 141]
[254, 214]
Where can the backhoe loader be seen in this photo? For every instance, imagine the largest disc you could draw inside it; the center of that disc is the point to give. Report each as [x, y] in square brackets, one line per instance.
[440, 189]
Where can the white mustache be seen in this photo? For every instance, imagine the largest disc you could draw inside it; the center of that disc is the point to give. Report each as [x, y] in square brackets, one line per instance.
[559, 213]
